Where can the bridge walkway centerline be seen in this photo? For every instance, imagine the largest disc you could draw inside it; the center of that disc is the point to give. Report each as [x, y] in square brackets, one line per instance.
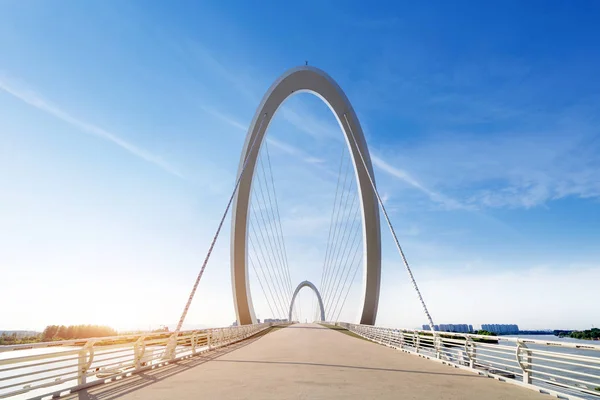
[306, 361]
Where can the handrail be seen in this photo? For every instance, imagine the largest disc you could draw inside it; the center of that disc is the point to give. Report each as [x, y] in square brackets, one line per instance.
[71, 365]
[512, 359]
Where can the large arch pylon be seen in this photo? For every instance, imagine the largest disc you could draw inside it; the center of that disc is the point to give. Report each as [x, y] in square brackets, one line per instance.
[314, 288]
[307, 79]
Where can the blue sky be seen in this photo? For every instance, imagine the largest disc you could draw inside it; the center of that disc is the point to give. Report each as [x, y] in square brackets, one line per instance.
[121, 125]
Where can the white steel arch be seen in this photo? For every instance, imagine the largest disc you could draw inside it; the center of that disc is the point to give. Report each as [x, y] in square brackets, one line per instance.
[308, 80]
[314, 288]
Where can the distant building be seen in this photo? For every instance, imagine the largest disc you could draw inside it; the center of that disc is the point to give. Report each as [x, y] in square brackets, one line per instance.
[274, 320]
[457, 328]
[501, 329]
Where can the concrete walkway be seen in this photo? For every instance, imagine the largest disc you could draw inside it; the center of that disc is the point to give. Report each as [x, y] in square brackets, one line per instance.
[307, 361]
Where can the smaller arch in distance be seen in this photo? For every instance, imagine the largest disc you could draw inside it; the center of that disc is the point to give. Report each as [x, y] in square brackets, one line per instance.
[314, 288]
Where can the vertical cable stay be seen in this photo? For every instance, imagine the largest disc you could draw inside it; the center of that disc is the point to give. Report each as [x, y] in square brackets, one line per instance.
[260, 283]
[343, 242]
[347, 291]
[342, 239]
[393, 232]
[340, 282]
[333, 226]
[272, 255]
[336, 229]
[286, 263]
[344, 258]
[276, 237]
[275, 230]
[331, 221]
[266, 243]
[341, 248]
[266, 262]
[356, 252]
[212, 244]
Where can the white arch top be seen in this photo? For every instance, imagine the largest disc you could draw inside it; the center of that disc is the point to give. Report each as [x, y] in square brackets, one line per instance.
[314, 288]
[311, 80]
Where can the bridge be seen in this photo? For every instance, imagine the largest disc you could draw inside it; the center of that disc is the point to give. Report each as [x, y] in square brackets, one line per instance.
[332, 358]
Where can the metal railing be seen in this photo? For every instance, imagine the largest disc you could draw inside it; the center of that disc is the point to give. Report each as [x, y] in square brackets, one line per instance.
[39, 370]
[570, 370]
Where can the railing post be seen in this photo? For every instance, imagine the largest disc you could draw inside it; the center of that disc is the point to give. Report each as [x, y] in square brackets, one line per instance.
[528, 374]
[81, 370]
[417, 342]
[193, 341]
[208, 338]
[139, 348]
[471, 351]
[525, 365]
[86, 356]
[401, 339]
[171, 346]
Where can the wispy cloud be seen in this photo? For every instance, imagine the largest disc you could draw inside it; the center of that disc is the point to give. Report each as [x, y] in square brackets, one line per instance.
[306, 122]
[225, 118]
[298, 115]
[279, 144]
[35, 100]
[514, 170]
[467, 167]
[446, 201]
[205, 57]
[490, 134]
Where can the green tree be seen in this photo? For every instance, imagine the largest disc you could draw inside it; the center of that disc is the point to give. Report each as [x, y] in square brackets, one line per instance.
[484, 332]
[49, 333]
[61, 334]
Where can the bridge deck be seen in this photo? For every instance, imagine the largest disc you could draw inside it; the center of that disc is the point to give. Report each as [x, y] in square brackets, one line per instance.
[307, 361]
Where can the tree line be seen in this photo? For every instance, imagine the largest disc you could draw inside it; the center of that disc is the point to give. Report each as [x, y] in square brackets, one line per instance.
[62, 332]
[588, 334]
[13, 338]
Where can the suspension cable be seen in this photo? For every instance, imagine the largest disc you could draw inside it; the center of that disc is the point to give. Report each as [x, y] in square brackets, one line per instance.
[212, 244]
[274, 239]
[267, 260]
[281, 292]
[289, 278]
[261, 285]
[345, 258]
[389, 223]
[335, 237]
[347, 291]
[264, 263]
[339, 266]
[334, 260]
[356, 251]
[331, 222]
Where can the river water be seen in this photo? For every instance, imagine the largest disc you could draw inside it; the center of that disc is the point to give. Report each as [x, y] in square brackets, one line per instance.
[552, 338]
[591, 382]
